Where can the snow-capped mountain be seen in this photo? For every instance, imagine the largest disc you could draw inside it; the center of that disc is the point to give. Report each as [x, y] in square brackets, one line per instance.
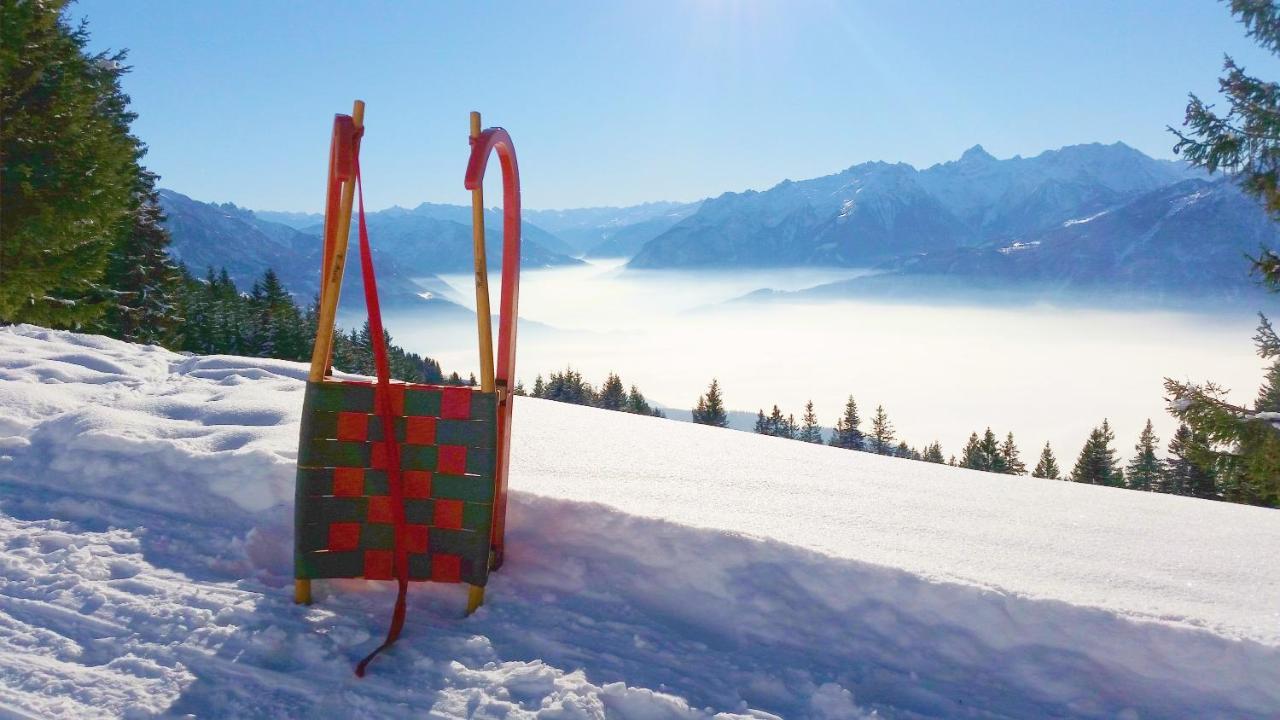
[611, 231]
[875, 212]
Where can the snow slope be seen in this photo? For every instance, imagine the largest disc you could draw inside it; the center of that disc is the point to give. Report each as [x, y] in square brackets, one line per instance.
[656, 570]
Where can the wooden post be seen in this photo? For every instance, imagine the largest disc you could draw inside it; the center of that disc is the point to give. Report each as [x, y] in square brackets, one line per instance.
[484, 322]
[330, 289]
[332, 286]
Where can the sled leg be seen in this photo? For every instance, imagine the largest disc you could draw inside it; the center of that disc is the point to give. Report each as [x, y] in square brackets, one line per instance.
[475, 598]
[484, 320]
[302, 592]
[332, 285]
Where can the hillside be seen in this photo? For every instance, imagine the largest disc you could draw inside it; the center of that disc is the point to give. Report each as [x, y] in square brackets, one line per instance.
[656, 570]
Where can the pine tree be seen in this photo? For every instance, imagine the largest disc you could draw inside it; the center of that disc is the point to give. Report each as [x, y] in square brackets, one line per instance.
[881, 433]
[1242, 447]
[1143, 472]
[809, 431]
[777, 423]
[69, 179]
[1047, 467]
[519, 390]
[636, 404]
[972, 455]
[1097, 463]
[569, 387]
[1183, 475]
[1011, 458]
[762, 423]
[847, 435]
[710, 409]
[933, 453]
[991, 451]
[539, 388]
[612, 395]
[143, 284]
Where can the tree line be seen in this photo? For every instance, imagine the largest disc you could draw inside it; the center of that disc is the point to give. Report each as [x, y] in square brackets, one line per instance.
[1181, 472]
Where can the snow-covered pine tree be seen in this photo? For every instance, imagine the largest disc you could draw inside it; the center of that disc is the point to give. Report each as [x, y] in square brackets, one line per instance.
[1097, 463]
[141, 282]
[809, 431]
[1047, 467]
[1010, 458]
[612, 394]
[882, 436]
[710, 408]
[847, 434]
[1143, 472]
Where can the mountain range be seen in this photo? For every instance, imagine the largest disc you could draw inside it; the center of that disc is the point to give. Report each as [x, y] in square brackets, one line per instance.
[1083, 217]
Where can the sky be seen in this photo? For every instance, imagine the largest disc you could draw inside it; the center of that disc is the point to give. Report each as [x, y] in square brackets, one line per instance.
[613, 103]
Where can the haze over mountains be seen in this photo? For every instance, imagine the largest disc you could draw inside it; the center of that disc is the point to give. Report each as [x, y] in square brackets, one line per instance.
[1084, 217]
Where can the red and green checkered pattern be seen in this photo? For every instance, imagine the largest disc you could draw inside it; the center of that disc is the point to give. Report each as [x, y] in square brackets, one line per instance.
[447, 438]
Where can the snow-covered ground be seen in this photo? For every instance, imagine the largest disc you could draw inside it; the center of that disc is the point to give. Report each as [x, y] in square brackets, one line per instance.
[655, 570]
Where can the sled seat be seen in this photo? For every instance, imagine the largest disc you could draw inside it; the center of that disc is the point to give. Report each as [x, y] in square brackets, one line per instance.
[447, 438]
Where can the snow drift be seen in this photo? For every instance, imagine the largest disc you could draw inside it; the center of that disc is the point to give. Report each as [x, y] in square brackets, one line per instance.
[656, 570]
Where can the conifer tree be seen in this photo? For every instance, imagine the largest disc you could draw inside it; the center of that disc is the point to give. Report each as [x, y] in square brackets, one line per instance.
[539, 388]
[1183, 475]
[636, 404]
[1143, 472]
[1242, 447]
[1097, 463]
[1010, 458]
[69, 174]
[710, 409]
[1047, 467]
[933, 453]
[847, 434]
[991, 450]
[519, 390]
[777, 423]
[569, 387]
[881, 433]
[612, 395]
[972, 455]
[142, 284]
[809, 431]
[762, 426]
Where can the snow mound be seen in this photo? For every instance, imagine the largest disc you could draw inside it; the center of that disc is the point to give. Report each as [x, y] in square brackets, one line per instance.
[656, 570]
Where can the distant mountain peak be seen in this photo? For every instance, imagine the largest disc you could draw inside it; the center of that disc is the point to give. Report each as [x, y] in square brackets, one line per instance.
[977, 153]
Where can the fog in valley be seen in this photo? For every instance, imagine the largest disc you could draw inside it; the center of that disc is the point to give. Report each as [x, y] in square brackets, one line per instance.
[941, 371]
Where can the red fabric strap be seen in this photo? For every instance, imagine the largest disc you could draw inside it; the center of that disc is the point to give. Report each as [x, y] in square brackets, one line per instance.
[383, 408]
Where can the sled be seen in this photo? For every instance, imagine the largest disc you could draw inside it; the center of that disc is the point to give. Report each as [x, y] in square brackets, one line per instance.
[404, 481]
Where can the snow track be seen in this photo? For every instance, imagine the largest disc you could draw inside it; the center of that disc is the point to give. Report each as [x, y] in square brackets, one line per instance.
[656, 570]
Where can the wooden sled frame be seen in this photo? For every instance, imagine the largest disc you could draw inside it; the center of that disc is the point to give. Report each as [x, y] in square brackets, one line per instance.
[446, 489]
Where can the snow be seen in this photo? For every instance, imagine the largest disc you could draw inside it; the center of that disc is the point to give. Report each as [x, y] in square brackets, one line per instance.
[655, 570]
[1081, 221]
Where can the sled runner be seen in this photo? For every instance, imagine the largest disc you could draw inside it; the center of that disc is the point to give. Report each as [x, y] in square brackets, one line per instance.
[402, 481]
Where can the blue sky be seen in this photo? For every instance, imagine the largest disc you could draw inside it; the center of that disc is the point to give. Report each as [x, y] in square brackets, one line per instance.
[615, 103]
